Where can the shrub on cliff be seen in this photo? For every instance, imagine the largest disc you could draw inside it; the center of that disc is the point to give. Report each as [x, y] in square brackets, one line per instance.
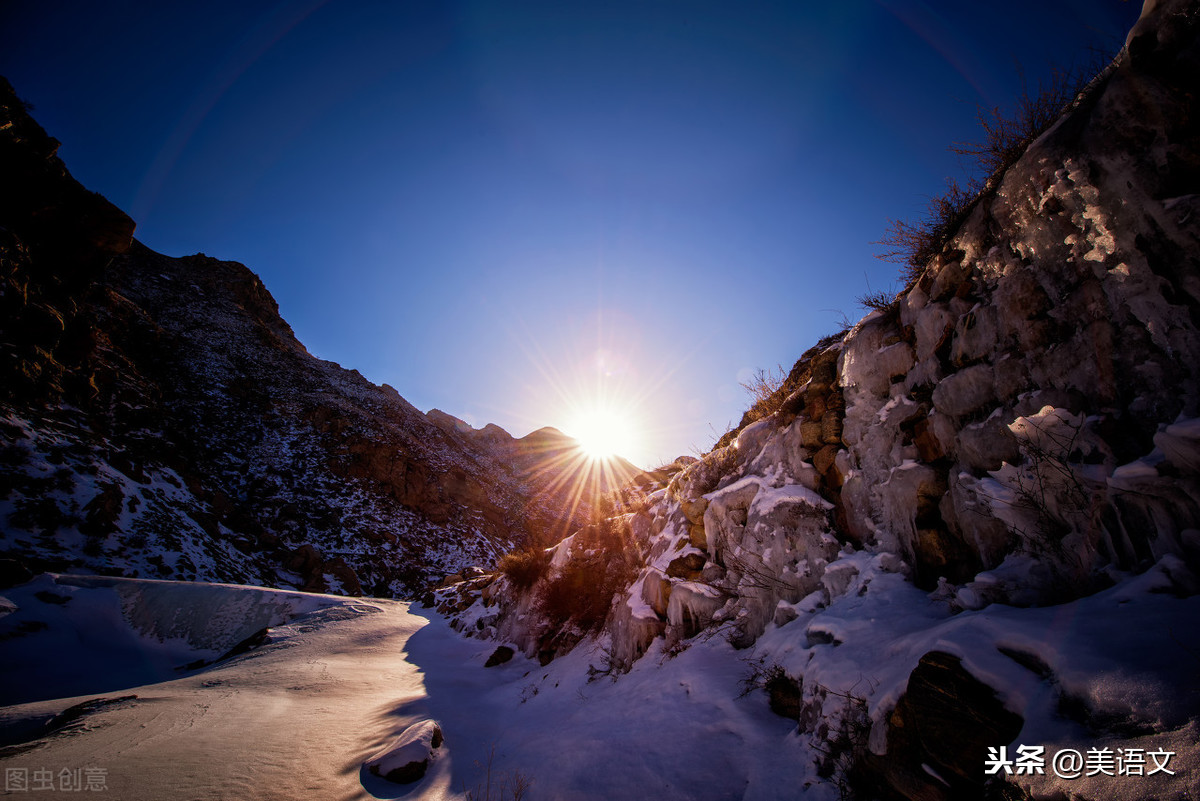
[629, 498]
[523, 568]
[602, 563]
[1005, 138]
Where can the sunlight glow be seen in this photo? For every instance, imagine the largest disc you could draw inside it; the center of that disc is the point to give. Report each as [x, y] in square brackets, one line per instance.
[603, 433]
[594, 383]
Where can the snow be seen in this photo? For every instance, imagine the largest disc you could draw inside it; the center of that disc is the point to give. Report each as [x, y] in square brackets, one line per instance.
[1111, 652]
[337, 685]
[770, 498]
[131, 630]
[340, 684]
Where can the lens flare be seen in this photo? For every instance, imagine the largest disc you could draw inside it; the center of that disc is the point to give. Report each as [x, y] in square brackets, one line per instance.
[603, 433]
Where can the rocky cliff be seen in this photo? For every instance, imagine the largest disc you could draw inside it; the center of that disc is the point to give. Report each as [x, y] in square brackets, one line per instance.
[158, 418]
[976, 517]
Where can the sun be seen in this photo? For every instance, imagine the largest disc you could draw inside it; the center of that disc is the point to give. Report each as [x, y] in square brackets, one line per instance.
[603, 433]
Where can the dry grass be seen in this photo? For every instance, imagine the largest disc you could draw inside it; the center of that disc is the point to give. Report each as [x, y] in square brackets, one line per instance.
[1006, 136]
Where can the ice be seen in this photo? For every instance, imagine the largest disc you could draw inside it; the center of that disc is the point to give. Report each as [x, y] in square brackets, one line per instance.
[131, 630]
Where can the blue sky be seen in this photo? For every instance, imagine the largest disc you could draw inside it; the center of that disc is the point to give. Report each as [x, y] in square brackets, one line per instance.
[517, 211]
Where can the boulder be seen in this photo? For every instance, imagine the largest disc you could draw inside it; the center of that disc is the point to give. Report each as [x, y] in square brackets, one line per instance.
[946, 720]
[987, 445]
[687, 566]
[965, 391]
[811, 434]
[694, 510]
[975, 336]
[501, 655]
[408, 757]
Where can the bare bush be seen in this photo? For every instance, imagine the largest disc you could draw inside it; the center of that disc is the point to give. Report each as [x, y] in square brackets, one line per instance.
[629, 498]
[768, 389]
[914, 244]
[784, 693]
[764, 383]
[602, 563]
[884, 301]
[1006, 136]
[496, 786]
[1048, 489]
[845, 744]
[523, 568]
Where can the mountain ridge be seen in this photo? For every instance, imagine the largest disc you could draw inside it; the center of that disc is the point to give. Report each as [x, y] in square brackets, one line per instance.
[165, 421]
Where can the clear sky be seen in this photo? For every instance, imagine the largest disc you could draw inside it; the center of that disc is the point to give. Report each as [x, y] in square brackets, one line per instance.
[515, 211]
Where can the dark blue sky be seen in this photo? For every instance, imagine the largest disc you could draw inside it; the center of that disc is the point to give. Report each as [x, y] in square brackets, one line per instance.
[513, 210]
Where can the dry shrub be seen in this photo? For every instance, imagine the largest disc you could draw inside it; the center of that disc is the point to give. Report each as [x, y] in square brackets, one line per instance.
[914, 244]
[602, 563]
[765, 383]
[1006, 136]
[883, 301]
[768, 390]
[523, 568]
[629, 498]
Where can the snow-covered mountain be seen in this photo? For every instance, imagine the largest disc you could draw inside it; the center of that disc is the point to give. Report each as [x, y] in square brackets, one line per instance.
[971, 521]
[158, 418]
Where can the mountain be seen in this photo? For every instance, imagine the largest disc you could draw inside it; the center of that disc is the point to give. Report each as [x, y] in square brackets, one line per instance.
[158, 418]
[548, 460]
[970, 521]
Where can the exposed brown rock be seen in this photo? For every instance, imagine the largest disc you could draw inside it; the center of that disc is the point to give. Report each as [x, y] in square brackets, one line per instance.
[693, 510]
[946, 719]
[686, 567]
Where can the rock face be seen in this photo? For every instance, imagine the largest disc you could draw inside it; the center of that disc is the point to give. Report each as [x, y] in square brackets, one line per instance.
[1022, 427]
[1056, 334]
[158, 418]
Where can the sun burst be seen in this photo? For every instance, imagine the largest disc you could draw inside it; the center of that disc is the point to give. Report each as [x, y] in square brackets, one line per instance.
[603, 433]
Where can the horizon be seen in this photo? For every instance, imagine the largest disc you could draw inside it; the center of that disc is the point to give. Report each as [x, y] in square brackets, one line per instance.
[528, 218]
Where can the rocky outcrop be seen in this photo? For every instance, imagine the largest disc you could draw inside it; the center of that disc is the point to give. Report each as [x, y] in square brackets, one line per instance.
[70, 234]
[1055, 334]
